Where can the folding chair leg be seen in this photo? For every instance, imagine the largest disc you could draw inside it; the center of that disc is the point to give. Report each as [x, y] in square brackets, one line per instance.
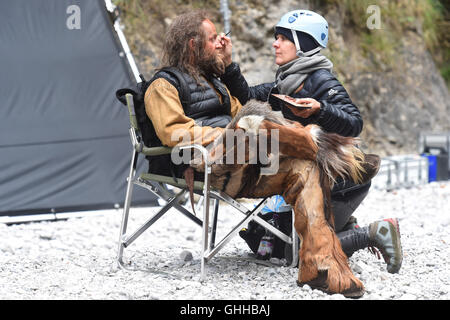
[152, 220]
[206, 228]
[295, 247]
[214, 225]
[293, 239]
[205, 237]
[249, 216]
[126, 206]
[165, 196]
[199, 204]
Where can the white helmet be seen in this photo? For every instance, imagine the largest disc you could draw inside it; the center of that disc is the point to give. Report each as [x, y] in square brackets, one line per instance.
[308, 22]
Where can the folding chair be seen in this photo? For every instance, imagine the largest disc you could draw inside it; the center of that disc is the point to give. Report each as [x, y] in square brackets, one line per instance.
[156, 185]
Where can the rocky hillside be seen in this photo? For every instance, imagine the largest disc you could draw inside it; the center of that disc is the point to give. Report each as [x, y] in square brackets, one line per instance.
[397, 73]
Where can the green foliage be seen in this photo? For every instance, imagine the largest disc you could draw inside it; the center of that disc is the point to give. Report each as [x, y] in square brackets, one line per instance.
[163, 8]
[445, 72]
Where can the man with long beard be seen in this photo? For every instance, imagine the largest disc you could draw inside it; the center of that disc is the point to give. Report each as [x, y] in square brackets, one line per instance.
[194, 48]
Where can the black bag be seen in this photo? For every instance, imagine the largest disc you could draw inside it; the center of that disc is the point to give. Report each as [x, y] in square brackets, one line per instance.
[145, 125]
[254, 233]
[157, 164]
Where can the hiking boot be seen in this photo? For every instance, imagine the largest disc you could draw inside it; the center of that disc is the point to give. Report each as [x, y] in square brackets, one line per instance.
[385, 236]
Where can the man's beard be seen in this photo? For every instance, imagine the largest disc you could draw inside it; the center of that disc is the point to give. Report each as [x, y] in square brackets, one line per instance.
[212, 64]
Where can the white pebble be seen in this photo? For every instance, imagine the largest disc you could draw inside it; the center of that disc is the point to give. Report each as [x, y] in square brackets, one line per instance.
[76, 258]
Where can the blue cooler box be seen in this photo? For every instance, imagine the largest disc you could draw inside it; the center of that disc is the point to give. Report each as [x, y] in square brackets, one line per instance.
[438, 169]
[432, 166]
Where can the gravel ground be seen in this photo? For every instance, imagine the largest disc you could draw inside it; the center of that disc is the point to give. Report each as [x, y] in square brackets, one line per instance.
[75, 258]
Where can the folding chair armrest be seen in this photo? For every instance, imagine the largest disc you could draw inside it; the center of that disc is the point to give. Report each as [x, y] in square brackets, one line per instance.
[204, 152]
[156, 151]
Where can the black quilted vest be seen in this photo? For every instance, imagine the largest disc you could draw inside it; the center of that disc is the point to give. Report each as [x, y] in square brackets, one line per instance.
[202, 104]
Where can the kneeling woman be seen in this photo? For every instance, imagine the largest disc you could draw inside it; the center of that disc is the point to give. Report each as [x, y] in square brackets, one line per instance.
[306, 75]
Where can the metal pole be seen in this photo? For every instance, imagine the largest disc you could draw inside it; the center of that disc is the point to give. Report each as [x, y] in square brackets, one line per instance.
[226, 12]
[389, 175]
[406, 171]
[126, 206]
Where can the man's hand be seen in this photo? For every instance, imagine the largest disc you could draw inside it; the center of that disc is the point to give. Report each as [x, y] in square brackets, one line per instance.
[226, 49]
[307, 102]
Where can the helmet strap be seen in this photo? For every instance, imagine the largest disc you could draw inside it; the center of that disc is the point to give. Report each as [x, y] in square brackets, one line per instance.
[297, 44]
[309, 53]
[300, 53]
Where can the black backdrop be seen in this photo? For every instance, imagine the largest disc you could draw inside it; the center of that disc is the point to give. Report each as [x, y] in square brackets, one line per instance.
[64, 142]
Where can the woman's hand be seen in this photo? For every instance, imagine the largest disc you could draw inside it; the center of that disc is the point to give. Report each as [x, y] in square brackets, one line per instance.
[307, 102]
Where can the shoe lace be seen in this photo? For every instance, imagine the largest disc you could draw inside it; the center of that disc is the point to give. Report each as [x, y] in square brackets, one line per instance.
[373, 250]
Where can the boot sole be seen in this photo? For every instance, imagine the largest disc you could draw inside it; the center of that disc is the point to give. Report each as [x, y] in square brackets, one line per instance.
[394, 222]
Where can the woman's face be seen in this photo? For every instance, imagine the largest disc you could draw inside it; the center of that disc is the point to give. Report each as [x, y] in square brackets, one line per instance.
[285, 50]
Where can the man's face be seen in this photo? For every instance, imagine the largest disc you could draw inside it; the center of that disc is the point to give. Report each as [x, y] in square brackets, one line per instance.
[212, 61]
[212, 39]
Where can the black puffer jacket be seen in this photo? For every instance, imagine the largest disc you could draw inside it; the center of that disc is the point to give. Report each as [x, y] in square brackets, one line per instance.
[337, 114]
[200, 102]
